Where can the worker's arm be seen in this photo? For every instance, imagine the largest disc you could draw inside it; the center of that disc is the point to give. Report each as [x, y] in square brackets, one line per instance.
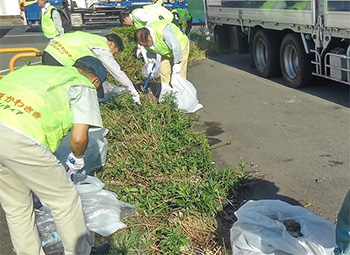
[85, 114]
[58, 22]
[107, 59]
[79, 139]
[170, 40]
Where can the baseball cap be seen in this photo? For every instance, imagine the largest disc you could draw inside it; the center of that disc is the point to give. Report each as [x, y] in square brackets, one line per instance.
[96, 67]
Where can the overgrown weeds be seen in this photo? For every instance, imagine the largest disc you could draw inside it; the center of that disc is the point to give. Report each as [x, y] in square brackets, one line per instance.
[158, 163]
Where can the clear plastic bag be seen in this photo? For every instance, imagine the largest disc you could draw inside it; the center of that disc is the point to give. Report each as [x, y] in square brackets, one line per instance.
[261, 229]
[103, 214]
[102, 210]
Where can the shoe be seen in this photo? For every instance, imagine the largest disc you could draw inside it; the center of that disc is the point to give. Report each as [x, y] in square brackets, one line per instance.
[103, 249]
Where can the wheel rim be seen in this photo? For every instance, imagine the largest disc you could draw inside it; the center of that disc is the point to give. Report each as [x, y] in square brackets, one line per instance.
[261, 54]
[291, 61]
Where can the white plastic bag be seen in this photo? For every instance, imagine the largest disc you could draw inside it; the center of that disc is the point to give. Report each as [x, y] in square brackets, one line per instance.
[259, 230]
[185, 94]
[103, 212]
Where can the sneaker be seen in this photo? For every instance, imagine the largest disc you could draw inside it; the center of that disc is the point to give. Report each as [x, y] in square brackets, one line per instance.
[103, 249]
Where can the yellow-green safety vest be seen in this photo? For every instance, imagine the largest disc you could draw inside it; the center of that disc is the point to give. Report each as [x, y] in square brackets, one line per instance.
[67, 48]
[48, 25]
[160, 46]
[182, 13]
[33, 101]
[160, 11]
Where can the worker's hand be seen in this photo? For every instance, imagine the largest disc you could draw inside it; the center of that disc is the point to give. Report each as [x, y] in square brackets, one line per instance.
[138, 52]
[135, 97]
[150, 66]
[74, 164]
[176, 68]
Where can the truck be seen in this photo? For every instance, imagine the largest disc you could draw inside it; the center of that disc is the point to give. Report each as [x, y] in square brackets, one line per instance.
[87, 13]
[298, 39]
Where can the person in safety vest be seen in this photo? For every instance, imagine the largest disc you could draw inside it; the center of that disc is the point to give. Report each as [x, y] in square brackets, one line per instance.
[51, 22]
[39, 105]
[139, 17]
[66, 49]
[166, 39]
[184, 19]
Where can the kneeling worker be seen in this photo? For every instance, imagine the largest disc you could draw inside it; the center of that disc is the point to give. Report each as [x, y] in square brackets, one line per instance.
[39, 105]
[65, 50]
[166, 39]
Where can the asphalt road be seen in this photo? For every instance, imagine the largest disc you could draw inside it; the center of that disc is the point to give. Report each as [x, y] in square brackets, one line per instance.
[295, 141]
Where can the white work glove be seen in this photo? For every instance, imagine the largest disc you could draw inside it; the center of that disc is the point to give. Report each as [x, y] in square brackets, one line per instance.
[150, 65]
[135, 97]
[138, 52]
[176, 68]
[74, 164]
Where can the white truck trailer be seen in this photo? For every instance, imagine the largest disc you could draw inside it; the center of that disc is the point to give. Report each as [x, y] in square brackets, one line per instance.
[297, 39]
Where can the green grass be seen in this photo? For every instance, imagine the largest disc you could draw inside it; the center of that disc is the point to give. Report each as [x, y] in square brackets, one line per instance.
[158, 163]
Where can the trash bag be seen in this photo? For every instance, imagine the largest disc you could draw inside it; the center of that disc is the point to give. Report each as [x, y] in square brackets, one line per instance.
[273, 227]
[184, 92]
[103, 214]
[111, 90]
[95, 153]
[102, 210]
[50, 240]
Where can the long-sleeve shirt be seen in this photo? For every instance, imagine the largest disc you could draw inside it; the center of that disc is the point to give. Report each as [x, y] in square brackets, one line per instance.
[106, 57]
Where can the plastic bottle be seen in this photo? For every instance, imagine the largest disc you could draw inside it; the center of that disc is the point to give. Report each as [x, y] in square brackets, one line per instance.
[50, 239]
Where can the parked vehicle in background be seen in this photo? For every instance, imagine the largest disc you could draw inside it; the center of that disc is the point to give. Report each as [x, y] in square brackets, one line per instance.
[295, 38]
[82, 13]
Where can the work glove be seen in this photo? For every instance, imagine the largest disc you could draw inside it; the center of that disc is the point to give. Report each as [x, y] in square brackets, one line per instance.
[176, 68]
[74, 164]
[138, 52]
[135, 97]
[150, 65]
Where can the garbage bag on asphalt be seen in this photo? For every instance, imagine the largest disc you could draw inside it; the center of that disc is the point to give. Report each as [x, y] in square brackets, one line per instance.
[273, 227]
[184, 92]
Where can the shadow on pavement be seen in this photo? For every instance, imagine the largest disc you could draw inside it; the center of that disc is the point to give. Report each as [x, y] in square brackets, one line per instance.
[4, 31]
[332, 91]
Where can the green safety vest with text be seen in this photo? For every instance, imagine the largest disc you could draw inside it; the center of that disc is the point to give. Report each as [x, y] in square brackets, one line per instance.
[33, 101]
[69, 47]
[48, 25]
[160, 46]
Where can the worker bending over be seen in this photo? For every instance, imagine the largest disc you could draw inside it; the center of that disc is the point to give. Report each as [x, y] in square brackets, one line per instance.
[66, 49]
[39, 105]
[139, 17]
[51, 22]
[166, 39]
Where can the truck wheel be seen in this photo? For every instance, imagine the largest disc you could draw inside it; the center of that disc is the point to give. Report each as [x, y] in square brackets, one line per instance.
[295, 63]
[265, 53]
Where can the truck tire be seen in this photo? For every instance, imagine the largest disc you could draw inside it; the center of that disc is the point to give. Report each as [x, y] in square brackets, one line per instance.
[296, 65]
[265, 53]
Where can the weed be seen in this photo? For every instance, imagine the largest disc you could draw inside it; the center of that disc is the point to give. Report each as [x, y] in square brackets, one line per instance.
[157, 162]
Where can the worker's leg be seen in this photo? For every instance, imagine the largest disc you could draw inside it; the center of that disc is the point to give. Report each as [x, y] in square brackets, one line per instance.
[39, 169]
[17, 202]
[165, 70]
[184, 61]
